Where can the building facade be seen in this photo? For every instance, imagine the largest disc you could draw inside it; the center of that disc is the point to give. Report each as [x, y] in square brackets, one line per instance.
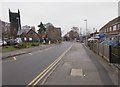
[31, 35]
[112, 28]
[28, 33]
[4, 30]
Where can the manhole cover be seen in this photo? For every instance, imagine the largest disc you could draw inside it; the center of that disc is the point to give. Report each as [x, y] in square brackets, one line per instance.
[77, 72]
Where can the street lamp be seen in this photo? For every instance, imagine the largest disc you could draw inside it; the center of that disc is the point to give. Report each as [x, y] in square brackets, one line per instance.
[86, 25]
[80, 31]
[86, 32]
[93, 32]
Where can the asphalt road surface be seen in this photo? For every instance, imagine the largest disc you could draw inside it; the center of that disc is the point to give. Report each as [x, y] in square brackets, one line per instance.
[20, 70]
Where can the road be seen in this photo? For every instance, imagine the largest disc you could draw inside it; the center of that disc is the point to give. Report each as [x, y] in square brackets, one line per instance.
[93, 70]
[20, 70]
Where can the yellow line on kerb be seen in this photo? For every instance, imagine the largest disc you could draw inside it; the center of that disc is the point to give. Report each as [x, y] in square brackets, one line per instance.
[44, 72]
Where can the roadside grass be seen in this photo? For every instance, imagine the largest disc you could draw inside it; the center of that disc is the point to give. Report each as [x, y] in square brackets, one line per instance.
[8, 48]
[20, 46]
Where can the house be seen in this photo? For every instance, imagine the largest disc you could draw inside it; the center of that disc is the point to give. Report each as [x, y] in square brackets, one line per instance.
[4, 30]
[111, 29]
[71, 35]
[28, 34]
[31, 35]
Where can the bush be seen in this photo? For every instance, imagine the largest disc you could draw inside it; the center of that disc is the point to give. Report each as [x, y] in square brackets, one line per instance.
[35, 44]
[19, 46]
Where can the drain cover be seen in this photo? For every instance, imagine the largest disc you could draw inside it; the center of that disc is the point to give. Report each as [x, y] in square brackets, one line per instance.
[77, 72]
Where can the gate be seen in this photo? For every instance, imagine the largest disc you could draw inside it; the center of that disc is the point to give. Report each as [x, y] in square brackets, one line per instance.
[115, 54]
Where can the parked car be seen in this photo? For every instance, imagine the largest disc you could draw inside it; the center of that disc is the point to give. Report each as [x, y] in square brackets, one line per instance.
[18, 40]
[3, 42]
[110, 42]
[77, 40]
[11, 42]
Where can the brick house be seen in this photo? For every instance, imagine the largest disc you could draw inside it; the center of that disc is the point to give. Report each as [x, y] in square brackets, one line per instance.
[31, 35]
[112, 28]
[28, 34]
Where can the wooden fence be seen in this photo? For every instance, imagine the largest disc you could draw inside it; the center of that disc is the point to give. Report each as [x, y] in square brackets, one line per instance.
[110, 53]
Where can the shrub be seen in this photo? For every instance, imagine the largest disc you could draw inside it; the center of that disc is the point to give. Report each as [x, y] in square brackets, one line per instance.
[35, 44]
[19, 46]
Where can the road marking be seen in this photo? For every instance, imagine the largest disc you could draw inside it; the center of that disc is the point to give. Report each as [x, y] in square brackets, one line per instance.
[47, 70]
[14, 58]
[30, 53]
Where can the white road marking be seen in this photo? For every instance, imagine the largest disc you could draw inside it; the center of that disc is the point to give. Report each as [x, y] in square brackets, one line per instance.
[30, 53]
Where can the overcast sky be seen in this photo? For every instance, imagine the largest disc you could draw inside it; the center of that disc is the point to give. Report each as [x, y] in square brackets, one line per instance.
[63, 14]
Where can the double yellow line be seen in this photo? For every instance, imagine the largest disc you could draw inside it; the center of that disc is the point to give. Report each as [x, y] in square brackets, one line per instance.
[47, 70]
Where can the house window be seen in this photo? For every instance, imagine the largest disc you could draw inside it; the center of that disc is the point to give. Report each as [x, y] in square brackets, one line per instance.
[30, 39]
[110, 29]
[118, 26]
[107, 29]
[25, 38]
[114, 27]
[104, 30]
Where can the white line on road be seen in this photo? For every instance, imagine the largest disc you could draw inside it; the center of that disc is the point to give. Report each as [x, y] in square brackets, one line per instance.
[30, 53]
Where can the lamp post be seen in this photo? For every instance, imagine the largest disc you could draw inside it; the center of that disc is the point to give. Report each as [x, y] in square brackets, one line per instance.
[86, 32]
[93, 32]
[86, 26]
[80, 31]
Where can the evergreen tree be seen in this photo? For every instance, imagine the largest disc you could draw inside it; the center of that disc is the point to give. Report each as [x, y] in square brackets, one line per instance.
[41, 28]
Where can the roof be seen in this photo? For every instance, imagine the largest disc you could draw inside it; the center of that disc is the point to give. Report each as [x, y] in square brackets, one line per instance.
[23, 31]
[116, 20]
[32, 30]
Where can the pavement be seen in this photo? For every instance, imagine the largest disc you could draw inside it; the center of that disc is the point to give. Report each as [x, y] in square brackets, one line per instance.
[80, 66]
[25, 50]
